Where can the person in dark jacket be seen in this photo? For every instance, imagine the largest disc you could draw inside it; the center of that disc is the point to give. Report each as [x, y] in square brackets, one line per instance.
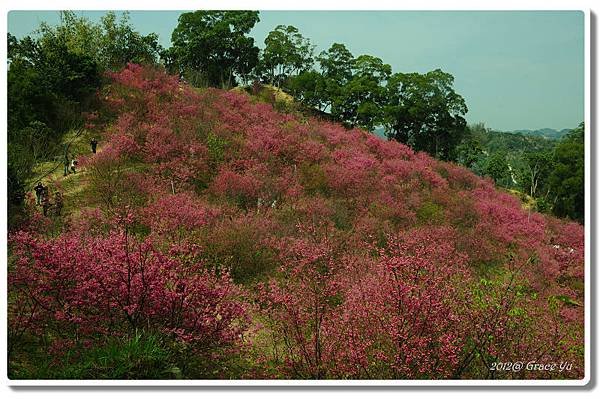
[94, 144]
[39, 192]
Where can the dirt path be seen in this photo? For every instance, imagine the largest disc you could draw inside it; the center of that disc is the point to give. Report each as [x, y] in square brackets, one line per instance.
[51, 173]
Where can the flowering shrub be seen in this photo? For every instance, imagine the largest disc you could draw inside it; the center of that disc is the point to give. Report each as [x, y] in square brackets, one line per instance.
[114, 285]
[300, 304]
[176, 215]
[244, 188]
[402, 320]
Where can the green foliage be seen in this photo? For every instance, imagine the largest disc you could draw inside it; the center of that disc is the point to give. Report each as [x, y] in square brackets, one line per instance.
[323, 89]
[216, 148]
[352, 89]
[336, 65]
[430, 213]
[48, 83]
[496, 167]
[535, 171]
[48, 87]
[109, 188]
[313, 178]
[360, 102]
[567, 180]
[425, 112]
[238, 248]
[468, 152]
[211, 47]
[112, 42]
[16, 195]
[286, 53]
[309, 88]
[52, 78]
[543, 205]
[342, 217]
[549, 173]
[141, 356]
[554, 300]
[516, 143]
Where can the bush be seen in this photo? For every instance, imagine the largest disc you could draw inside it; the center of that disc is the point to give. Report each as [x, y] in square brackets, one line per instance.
[237, 246]
[73, 288]
[313, 179]
[430, 213]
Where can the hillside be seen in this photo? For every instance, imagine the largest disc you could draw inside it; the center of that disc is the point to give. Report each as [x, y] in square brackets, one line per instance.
[214, 237]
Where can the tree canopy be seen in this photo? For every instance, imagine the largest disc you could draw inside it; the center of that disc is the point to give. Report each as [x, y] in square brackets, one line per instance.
[324, 88]
[213, 46]
[567, 180]
[550, 172]
[287, 53]
[112, 42]
[425, 112]
[363, 97]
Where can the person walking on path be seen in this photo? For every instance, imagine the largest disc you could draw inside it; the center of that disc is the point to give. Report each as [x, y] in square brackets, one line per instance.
[39, 193]
[94, 143]
[73, 165]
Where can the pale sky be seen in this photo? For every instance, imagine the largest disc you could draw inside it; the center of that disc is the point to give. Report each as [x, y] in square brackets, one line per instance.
[515, 69]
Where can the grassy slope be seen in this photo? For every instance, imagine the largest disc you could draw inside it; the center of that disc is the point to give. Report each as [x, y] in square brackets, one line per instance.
[71, 186]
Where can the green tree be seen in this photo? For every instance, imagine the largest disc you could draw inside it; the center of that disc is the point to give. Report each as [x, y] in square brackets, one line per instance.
[496, 167]
[361, 100]
[213, 47]
[425, 112]
[351, 89]
[287, 53]
[337, 65]
[470, 151]
[534, 174]
[309, 88]
[112, 43]
[567, 179]
[121, 44]
[323, 89]
[47, 82]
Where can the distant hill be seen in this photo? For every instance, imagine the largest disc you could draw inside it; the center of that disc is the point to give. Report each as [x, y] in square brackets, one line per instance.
[515, 142]
[548, 133]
